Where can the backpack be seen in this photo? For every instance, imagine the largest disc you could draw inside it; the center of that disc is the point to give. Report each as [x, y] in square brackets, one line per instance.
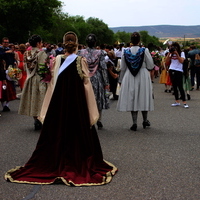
[197, 60]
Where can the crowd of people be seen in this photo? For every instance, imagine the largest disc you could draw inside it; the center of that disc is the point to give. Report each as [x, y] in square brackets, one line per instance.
[179, 72]
[66, 152]
[74, 83]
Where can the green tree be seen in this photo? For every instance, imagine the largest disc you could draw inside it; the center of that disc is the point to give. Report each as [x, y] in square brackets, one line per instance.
[146, 39]
[80, 27]
[122, 37]
[60, 23]
[101, 30]
[20, 18]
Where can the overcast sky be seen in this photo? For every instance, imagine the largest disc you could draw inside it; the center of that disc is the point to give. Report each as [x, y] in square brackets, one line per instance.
[117, 13]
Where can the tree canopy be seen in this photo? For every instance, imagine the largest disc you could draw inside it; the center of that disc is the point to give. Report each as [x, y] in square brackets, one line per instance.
[19, 19]
[146, 39]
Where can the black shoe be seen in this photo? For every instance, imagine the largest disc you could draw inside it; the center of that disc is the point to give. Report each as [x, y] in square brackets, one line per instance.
[38, 125]
[134, 127]
[6, 109]
[188, 97]
[115, 97]
[100, 125]
[169, 91]
[145, 124]
[166, 90]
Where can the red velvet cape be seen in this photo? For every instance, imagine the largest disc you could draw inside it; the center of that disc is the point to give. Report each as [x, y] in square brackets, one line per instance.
[68, 148]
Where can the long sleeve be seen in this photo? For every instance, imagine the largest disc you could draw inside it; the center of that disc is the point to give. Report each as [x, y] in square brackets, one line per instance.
[42, 56]
[149, 60]
[123, 68]
[103, 68]
[51, 86]
[89, 93]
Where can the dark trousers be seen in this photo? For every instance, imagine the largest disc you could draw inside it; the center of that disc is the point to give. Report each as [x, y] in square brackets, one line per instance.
[195, 71]
[177, 83]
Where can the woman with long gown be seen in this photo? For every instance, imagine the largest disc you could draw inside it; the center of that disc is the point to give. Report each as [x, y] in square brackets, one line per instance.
[136, 92]
[34, 89]
[68, 149]
[98, 74]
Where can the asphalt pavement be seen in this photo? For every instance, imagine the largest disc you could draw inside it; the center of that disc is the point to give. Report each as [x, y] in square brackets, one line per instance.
[161, 162]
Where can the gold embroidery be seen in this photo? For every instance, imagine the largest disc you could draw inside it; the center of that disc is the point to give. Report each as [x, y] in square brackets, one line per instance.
[64, 56]
[79, 68]
[105, 179]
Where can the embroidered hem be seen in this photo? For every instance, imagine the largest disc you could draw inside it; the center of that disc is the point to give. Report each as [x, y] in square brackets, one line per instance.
[105, 179]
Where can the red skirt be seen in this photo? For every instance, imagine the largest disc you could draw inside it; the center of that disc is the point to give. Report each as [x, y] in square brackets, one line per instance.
[10, 93]
[168, 80]
[22, 80]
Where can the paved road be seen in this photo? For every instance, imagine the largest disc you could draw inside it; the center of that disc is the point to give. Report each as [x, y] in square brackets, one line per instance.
[159, 163]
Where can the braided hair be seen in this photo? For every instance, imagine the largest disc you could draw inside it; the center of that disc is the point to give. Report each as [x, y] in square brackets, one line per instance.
[70, 42]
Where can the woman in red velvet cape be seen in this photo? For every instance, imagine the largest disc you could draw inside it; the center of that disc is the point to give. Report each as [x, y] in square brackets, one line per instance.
[68, 149]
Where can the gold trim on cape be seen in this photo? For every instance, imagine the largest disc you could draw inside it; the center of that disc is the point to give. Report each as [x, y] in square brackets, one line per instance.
[105, 179]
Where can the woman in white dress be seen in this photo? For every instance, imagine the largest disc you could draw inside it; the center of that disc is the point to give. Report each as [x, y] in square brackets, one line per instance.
[136, 92]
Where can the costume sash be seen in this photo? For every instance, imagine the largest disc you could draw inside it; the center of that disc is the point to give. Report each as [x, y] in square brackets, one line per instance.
[134, 62]
[92, 55]
[67, 62]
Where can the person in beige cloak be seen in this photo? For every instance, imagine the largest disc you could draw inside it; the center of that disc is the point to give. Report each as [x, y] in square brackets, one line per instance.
[34, 88]
[93, 113]
[68, 150]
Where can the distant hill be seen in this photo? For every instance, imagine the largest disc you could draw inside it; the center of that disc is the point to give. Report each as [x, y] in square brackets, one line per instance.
[163, 31]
